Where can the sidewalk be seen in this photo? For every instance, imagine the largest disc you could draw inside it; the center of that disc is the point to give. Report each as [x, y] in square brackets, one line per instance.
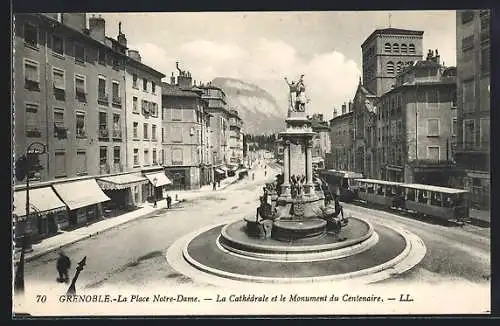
[480, 215]
[67, 238]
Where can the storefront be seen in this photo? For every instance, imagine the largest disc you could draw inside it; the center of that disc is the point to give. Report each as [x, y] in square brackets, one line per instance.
[157, 182]
[47, 213]
[180, 178]
[122, 190]
[84, 199]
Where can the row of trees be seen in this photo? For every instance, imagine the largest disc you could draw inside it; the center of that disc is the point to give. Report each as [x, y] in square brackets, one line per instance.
[257, 142]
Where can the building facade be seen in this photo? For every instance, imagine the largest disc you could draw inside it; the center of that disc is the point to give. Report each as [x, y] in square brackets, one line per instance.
[321, 141]
[473, 107]
[219, 124]
[416, 125]
[185, 133]
[235, 138]
[341, 138]
[58, 63]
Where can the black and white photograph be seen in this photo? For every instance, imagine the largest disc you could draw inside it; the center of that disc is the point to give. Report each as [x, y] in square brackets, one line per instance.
[241, 163]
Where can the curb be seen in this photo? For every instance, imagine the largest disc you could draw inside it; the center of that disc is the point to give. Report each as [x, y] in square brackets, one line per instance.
[86, 236]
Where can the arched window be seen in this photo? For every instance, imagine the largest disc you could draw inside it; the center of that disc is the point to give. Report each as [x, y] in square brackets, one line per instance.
[395, 48]
[390, 68]
[411, 48]
[399, 67]
[387, 47]
[404, 48]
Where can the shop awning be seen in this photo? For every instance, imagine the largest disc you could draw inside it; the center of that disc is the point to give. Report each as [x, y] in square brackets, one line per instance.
[161, 179]
[81, 193]
[220, 171]
[122, 181]
[42, 200]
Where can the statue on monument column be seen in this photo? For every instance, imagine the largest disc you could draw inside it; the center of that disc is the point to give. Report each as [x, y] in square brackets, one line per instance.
[298, 98]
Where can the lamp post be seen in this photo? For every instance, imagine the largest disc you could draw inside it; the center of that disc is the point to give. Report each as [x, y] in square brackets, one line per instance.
[26, 166]
[155, 181]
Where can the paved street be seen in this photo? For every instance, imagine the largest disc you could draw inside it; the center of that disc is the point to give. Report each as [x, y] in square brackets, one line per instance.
[134, 254]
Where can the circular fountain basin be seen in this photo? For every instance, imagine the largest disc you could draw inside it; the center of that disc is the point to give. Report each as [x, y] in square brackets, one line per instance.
[287, 230]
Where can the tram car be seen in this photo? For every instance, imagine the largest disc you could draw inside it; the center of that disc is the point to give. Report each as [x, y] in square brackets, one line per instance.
[448, 204]
[340, 183]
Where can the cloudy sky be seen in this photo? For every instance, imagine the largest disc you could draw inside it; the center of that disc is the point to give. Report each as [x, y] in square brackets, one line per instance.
[262, 47]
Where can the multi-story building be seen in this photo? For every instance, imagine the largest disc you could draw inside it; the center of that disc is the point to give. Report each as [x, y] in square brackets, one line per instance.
[341, 137]
[185, 133]
[385, 52]
[321, 141]
[219, 124]
[416, 125]
[235, 138]
[473, 107]
[58, 62]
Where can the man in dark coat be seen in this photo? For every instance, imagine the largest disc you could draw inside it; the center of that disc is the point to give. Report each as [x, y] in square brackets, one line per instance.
[63, 265]
[169, 201]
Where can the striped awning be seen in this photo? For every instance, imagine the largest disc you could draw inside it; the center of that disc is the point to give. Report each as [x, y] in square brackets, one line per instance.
[122, 181]
[158, 179]
[80, 193]
[42, 201]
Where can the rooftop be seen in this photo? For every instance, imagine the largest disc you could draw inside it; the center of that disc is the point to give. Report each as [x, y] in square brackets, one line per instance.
[391, 31]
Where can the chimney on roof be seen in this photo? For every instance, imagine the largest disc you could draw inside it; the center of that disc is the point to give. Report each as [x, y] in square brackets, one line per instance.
[184, 79]
[344, 108]
[437, 57]
[75, 20]
[349, 106]
[134, 54]
[97, 28]
[172, 79]
[121, 37]
[334, 112]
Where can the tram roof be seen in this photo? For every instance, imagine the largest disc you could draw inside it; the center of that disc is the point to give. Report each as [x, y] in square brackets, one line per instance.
[345, 174]
[382, 182]
[434, 188]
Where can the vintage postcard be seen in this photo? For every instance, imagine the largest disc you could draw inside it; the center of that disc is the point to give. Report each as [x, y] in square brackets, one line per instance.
[251, 163]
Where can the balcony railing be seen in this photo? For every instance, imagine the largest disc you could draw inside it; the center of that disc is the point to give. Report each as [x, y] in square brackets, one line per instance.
[80, 95]
[103, 133]
[103, 98]
[117, 134]
[117, 101]
[80, 133]
[117, 167]
[485, 36]
[481, 146]
[32, 85]
[104, 168]
[33, 131]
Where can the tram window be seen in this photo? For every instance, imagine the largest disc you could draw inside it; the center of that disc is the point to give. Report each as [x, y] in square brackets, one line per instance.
[422, 197]
[380, 190]
[345, 183]
[448, 201]
[361, 187]
[370, 189]
[436, 198]
[411, 194]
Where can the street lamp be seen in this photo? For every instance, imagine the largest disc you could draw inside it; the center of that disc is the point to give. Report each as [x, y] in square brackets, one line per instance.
[155, 181]
[26, 167]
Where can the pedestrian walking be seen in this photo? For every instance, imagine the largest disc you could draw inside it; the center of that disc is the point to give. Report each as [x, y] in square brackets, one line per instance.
[218, 183]
[63, 264]
[265, 173]
[253, 175]
[169, 201]
[214, 186]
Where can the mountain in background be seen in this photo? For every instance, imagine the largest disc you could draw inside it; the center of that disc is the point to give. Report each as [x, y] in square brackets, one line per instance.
[259, 110]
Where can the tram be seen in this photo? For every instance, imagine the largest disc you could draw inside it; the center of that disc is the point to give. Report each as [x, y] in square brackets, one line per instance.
[439, 202]
[341, 183]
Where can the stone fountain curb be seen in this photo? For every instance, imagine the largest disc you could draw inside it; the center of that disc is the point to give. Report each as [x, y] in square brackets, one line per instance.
[180, 260]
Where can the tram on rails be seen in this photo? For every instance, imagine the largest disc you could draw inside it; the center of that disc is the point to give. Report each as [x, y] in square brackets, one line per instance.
[340, 183]
[443, 203]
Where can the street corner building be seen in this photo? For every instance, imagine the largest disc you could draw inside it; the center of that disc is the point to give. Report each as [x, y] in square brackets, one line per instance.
[95, 107]
[414, 119]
